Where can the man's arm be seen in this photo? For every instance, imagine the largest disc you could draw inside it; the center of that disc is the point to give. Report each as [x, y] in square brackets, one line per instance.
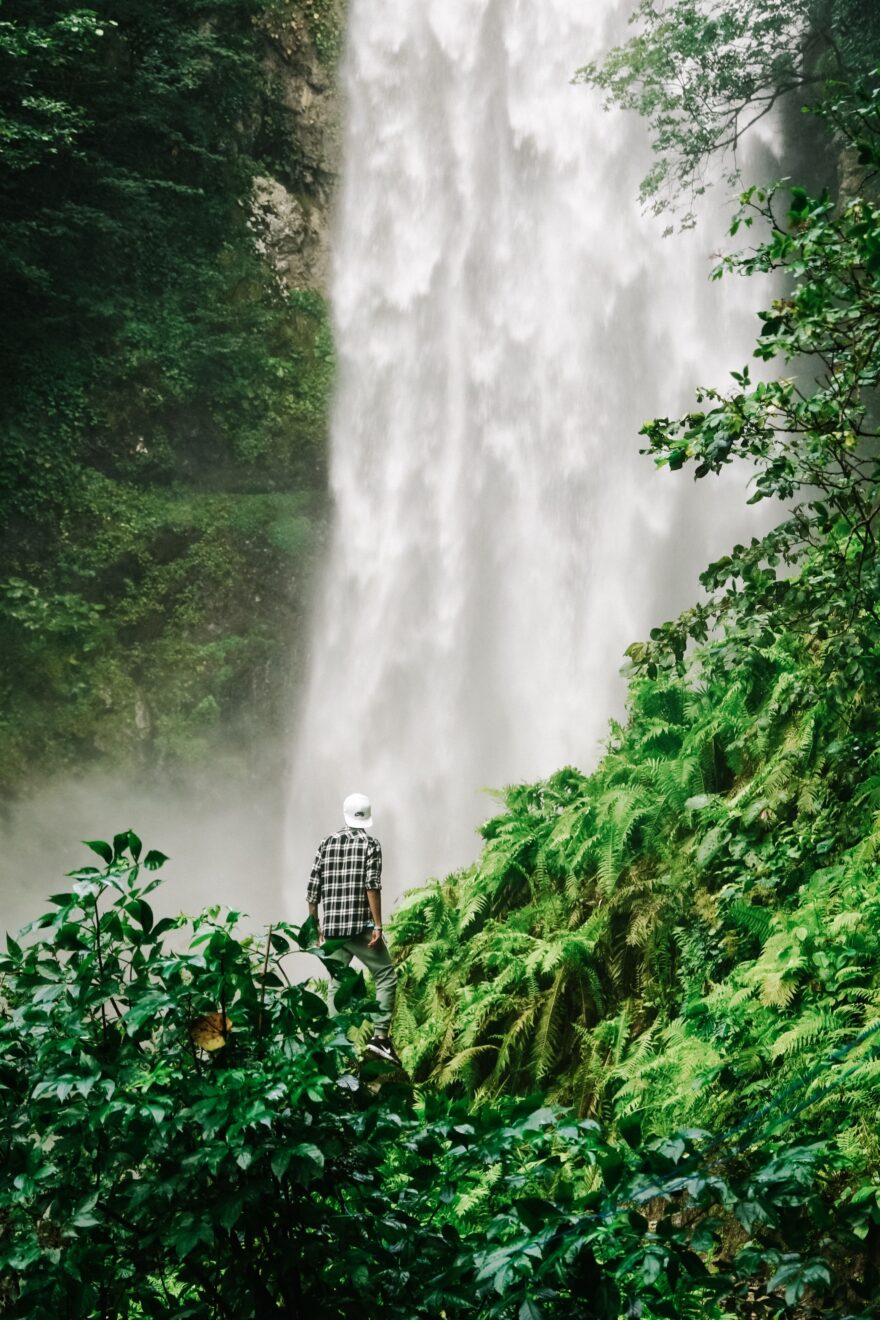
[374, 898]
[313, 893]
[373, 886]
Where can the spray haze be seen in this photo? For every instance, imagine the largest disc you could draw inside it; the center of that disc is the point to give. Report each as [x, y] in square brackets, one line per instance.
[505, 321]
[222, 841]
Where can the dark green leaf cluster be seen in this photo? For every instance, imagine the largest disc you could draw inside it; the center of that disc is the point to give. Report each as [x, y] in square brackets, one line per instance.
[183, 1131]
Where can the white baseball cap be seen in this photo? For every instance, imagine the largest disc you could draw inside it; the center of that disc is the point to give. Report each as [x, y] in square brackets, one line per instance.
[357, 811]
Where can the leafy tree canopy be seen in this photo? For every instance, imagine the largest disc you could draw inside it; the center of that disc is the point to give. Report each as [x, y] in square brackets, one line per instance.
[703, 72]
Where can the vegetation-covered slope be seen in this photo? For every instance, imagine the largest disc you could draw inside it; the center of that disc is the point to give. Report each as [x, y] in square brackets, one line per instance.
[184, 1132]
[680, 931]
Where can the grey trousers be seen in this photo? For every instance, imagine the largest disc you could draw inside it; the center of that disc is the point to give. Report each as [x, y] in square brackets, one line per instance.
[378, 963]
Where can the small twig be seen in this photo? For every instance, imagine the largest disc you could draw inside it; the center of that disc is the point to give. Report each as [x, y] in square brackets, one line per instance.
[263, 986]
[100, 956]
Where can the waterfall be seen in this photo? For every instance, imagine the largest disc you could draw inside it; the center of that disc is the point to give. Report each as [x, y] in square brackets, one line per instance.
[505, 320]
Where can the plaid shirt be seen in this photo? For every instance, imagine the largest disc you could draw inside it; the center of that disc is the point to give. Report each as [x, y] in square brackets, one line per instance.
[347, 864]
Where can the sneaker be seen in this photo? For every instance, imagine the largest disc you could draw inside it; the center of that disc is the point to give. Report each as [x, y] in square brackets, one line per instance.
[381, 1045]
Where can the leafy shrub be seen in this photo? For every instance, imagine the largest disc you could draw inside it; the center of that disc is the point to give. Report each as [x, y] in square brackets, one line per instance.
[183, 1130]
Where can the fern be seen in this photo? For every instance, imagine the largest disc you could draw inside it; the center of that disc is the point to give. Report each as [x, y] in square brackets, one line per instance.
[545, 1049]
[812, 1031]
[679, 934]
[756, 920]
[470, 1203]
[450, 1072]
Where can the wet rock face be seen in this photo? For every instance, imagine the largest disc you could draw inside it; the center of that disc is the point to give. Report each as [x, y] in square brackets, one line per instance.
[290, 233]
[292, 214]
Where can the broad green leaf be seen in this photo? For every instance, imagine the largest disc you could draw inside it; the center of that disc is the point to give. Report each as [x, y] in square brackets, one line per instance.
[99, 846]
[120, 845]
[163, 926]
[280, 1162]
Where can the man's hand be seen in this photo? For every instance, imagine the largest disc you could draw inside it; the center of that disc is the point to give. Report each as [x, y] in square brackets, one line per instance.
[374, 899]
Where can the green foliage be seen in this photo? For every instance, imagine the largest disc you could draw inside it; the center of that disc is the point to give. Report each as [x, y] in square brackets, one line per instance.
[181, 1125]
[811, 439]
[184, 1130]
[183, 638]
[704, 72]
[165, 394]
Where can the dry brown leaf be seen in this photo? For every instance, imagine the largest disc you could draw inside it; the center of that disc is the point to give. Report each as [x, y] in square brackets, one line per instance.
[207, 1031]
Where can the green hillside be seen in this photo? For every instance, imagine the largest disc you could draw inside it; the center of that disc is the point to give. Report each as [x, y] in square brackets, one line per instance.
[687, 938]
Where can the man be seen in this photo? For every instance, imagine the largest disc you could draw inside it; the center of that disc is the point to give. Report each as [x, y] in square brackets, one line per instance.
[347, 880]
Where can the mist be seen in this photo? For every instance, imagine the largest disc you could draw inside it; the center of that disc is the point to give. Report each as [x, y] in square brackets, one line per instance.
[222, 839]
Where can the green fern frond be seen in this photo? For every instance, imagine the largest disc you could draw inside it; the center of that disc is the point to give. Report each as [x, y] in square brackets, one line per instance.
[451, 1072]
[756, 920]
[545, 1050]
[813, 1032]
[514, 1039]
[776, 990]
[472, 1201]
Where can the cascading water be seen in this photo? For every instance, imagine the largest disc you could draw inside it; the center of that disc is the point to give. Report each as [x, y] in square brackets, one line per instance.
[505, 320]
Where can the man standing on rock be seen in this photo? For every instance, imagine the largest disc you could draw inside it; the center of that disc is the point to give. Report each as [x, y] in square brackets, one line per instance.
[347, 881]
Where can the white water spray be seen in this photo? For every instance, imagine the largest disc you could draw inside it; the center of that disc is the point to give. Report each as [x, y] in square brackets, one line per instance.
[505, 321]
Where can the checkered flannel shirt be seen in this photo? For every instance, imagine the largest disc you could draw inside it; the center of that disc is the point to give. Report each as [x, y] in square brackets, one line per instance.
[347, 864]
